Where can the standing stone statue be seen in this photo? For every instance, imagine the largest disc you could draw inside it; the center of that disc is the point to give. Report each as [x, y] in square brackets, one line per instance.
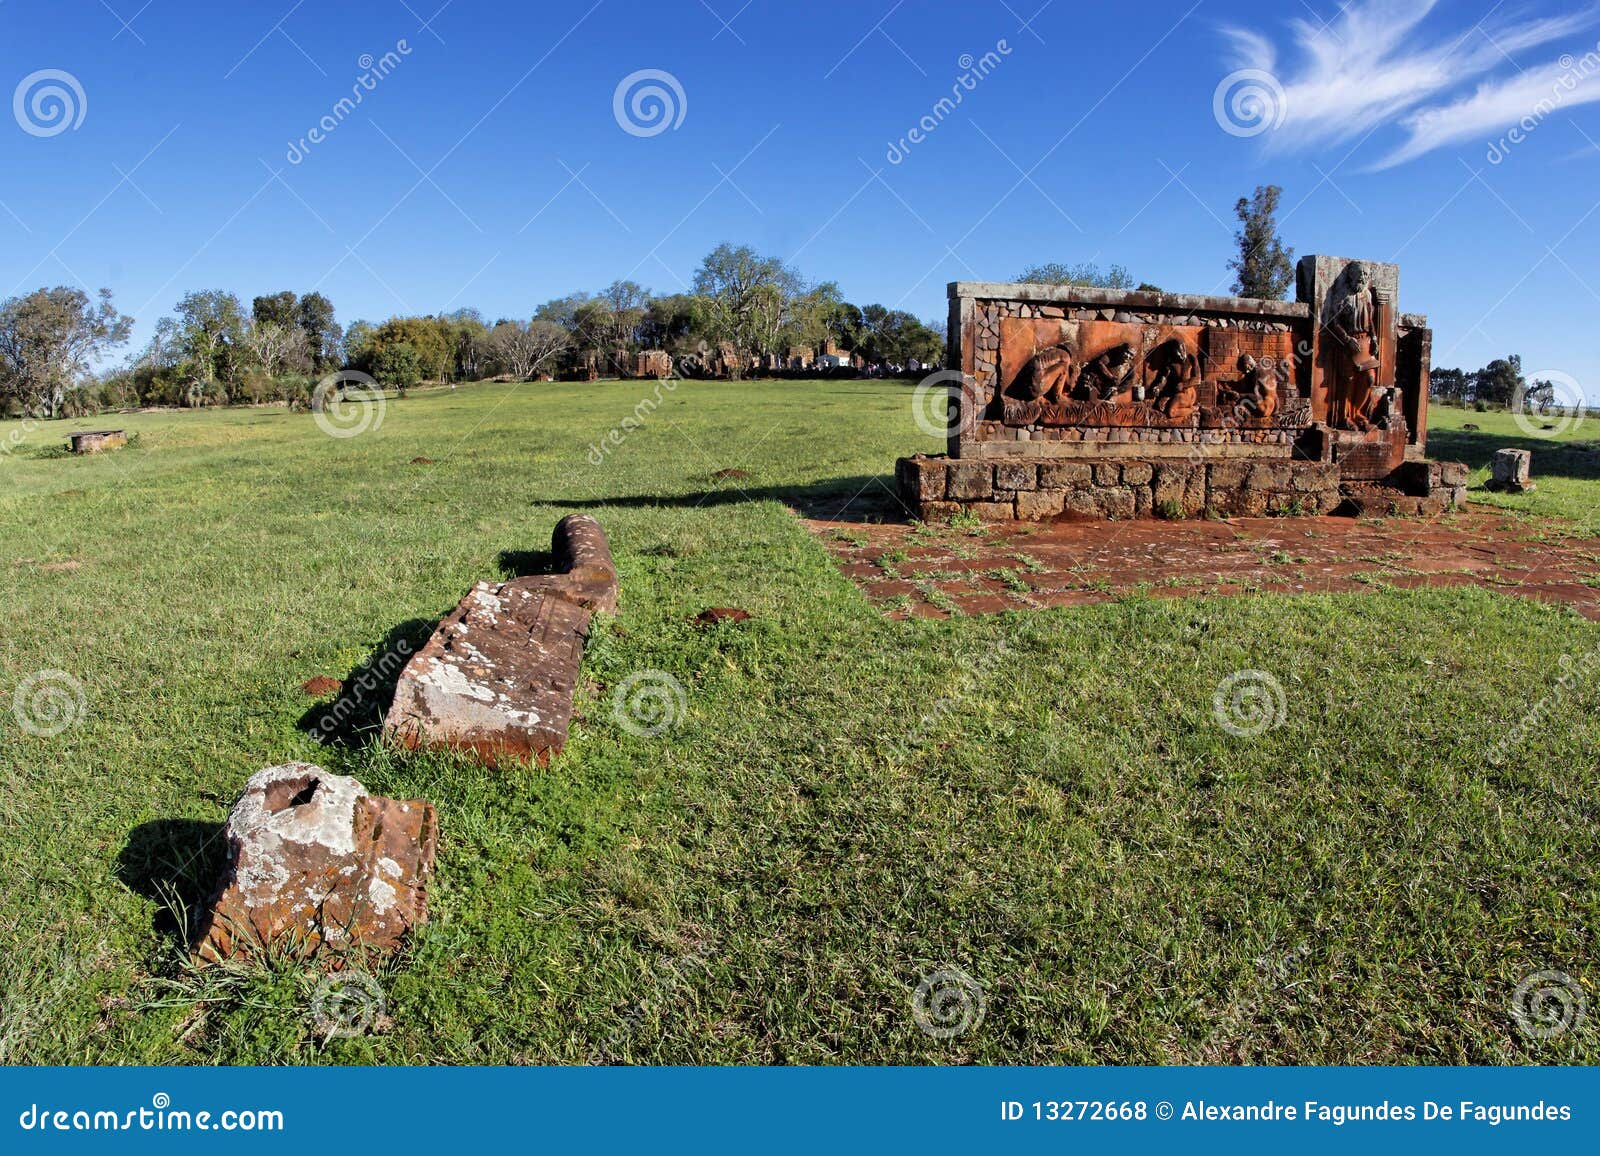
[1354, 328]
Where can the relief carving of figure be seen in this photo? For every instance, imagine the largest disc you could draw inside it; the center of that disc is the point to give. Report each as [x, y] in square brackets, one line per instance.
[1258, 388]
[1106, 376]
[1050, 376]
[1174, 387]
[1353, 325]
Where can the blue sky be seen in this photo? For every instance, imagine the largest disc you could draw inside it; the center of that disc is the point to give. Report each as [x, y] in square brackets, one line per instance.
[489, 167]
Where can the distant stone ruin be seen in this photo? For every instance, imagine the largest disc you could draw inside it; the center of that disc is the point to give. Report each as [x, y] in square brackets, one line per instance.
[1098, 403]
[95, 441]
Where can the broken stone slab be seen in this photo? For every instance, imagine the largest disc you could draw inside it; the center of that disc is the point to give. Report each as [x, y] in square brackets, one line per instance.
[317, 865]
[497, 676]
[1511, 470]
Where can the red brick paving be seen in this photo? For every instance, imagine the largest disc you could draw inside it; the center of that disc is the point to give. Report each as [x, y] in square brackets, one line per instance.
[930, 570]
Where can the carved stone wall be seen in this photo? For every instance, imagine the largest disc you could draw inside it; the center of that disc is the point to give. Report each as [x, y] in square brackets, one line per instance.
[1070, 374]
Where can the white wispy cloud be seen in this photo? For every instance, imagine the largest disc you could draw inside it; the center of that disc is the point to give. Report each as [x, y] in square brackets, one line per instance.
[1385, 62]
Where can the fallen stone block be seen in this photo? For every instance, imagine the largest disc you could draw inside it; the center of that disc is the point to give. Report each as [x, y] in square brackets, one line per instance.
[94, 441]
[498, 674]
[317, 865]
[1511, 470]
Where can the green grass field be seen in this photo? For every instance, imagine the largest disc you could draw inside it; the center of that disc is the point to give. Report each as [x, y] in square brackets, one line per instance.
[1044, 802]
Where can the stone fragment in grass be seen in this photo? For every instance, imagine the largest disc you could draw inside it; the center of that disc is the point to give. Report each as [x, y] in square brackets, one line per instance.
[720, 614]
[1511, 470]
[498, 674]
[317, 866]
[95, 441]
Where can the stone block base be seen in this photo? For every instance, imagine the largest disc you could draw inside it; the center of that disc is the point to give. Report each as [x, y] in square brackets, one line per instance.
[938, 488]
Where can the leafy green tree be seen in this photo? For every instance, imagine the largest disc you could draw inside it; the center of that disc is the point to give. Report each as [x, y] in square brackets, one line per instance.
[48, 340]
[396, 364]
[210, 335]
[1498, 382]
[430, 340]
[744, 297]
[323, 336]
[1086, 273]
[1264, 267]
[669, 323]
[280, 309]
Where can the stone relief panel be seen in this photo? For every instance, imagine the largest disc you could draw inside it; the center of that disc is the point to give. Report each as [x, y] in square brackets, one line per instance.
[1354, 307]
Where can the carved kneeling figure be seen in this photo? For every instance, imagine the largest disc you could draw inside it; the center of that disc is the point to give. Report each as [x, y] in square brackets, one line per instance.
[1050, 375]
[1258, 389]
[1175, 386]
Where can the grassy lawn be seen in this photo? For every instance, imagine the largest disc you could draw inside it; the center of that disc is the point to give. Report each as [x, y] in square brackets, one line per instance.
[1566, 461]
[1043, 801]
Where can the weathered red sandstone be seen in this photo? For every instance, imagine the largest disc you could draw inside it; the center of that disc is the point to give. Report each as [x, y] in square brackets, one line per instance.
[318, 866]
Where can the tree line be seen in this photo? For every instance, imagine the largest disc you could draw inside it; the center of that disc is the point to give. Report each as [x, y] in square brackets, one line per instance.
[743, 313]
[1497, 385]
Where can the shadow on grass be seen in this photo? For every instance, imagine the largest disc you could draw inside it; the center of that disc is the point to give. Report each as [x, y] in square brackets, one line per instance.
[525, 563]
[355, 715]
[1568, 459]
[176, 863]
[863, 498]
